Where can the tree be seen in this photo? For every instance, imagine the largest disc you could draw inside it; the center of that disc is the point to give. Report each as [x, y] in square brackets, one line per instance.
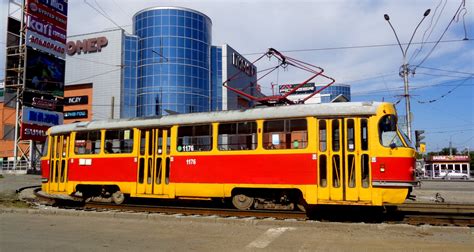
[445, 151]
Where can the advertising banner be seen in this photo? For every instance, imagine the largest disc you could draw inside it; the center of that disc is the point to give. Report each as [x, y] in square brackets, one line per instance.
[58, 5]
[33, 132]
[44, 10]
[37, 41]
[307, 88]
[41, 117]
[75, 114]
[42, 101]
[44, 73]
[76, 100]
[45, 29]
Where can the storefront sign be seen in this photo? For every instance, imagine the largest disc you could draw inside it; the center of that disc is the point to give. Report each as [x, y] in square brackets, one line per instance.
[41, 117]
[76, 114]
[33, 132]
[86, 46]
[243, 65]
[450, 158]
[42, 101]
[75, 100]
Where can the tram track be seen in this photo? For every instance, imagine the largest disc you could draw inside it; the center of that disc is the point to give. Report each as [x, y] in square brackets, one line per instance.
[436, 214]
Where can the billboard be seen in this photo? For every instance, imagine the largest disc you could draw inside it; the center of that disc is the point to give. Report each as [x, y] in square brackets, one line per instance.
[37, 41]
[33, 132]
[44, 73]
[307, 88]
[45, 29]
[46, 25]
[42, 101]
[51, 11]
[41, 117]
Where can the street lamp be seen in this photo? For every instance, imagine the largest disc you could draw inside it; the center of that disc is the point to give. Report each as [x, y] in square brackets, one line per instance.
[404, 69]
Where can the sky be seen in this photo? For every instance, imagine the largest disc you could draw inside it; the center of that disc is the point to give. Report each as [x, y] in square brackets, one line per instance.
[349, 39]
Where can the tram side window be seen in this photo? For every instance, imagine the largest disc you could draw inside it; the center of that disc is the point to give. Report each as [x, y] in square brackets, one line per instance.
[364, 135]
[322, 135]
[87, 142]
[195, 138]
[118, 141]
[237, 136]
[285, 134]
[388, 132]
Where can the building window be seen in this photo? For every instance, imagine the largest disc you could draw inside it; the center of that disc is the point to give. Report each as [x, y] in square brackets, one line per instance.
[237, 136]
[195, 138]
[87, 142]
[118, 141]
[285, 134]
[8, 132]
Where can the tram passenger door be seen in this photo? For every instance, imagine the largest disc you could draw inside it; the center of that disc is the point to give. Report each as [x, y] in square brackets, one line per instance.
[343, 160]
[356, 159]
[330, 177]
[153, 162]
[58, 165]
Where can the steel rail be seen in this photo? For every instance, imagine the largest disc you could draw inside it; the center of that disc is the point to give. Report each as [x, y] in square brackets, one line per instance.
[224, 212]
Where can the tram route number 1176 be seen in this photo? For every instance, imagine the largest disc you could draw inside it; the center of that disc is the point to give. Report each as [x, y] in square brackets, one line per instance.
[191, 161]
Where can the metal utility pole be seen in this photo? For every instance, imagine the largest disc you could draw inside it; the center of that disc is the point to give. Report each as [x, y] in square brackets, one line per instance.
[405, 69]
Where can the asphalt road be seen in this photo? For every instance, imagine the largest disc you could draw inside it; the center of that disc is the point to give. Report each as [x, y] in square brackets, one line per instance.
[40, 232]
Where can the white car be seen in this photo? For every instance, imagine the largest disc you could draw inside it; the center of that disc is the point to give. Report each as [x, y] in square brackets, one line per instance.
[453, 175]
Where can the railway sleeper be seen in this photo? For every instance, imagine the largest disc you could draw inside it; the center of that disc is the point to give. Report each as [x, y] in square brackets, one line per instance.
[277, 199]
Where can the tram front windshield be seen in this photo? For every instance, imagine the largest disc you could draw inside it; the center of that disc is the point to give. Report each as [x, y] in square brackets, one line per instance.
[388, 133]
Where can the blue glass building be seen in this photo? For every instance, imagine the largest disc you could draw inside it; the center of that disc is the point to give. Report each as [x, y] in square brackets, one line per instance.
[334, 91]
[173, 61]
[129, 77]
[216, 78]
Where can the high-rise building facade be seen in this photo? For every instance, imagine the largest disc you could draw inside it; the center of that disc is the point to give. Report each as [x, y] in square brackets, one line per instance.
[174, 52]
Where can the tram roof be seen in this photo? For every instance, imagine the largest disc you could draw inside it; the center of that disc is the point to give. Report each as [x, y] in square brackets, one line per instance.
[293, 111]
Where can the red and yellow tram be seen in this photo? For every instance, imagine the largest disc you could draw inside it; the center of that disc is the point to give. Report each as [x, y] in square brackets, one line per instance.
[273, 157]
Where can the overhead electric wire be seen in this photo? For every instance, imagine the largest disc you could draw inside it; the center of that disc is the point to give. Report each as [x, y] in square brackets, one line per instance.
[445, 70]
[94, 61]
[95, 75]
[442, 35]
[446, 94]
[103, 14]
[358, 47]
[430, 28]
[441, 75]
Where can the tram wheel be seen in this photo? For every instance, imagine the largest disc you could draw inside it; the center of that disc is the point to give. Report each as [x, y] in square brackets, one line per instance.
[242, 201]
[118, 197]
